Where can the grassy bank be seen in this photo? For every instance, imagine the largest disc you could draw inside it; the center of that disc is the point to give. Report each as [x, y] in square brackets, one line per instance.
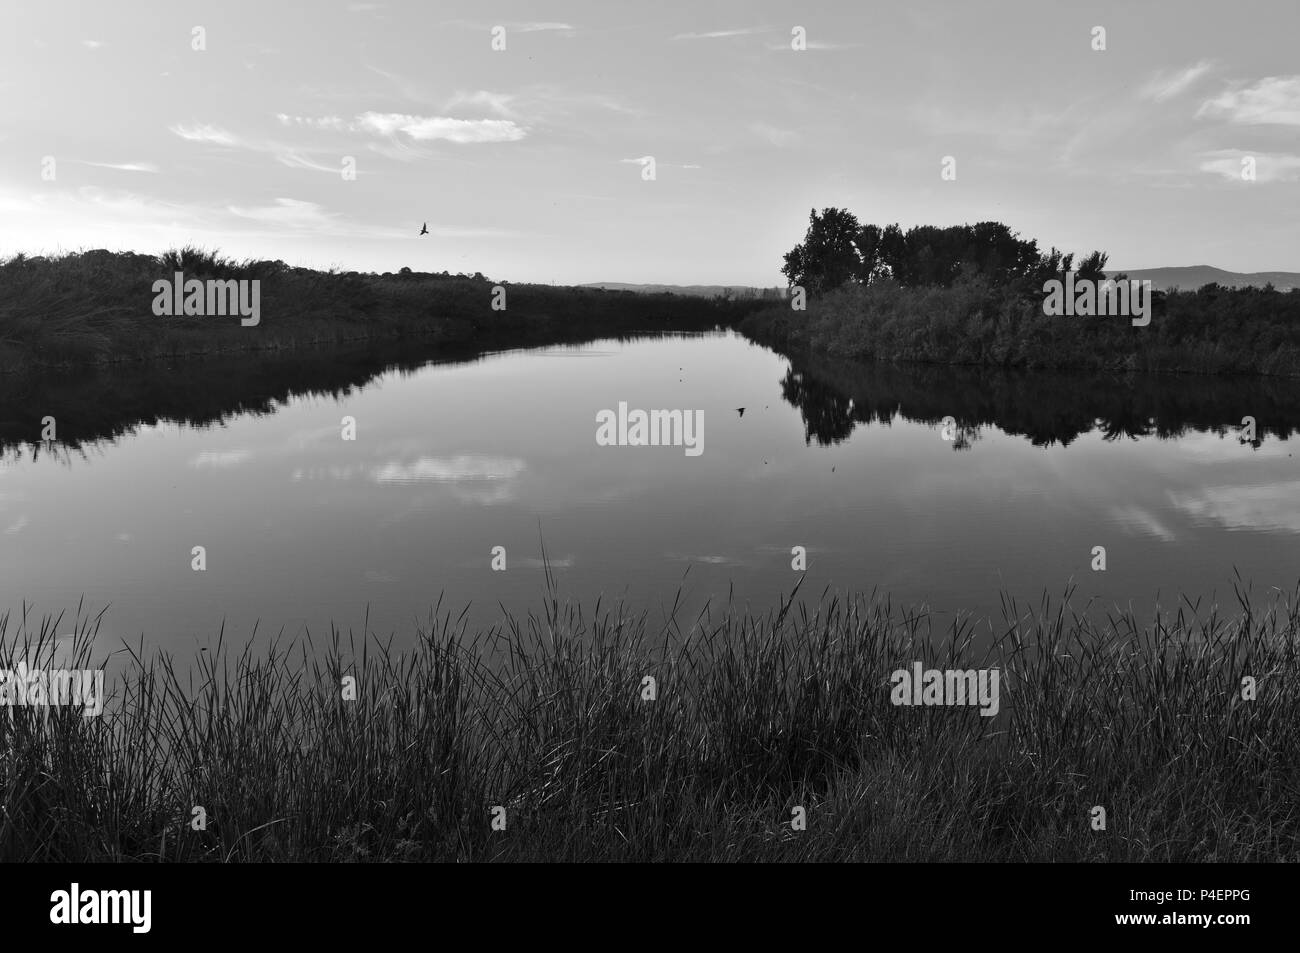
[974, 322]
[96, 308]
[754, 715]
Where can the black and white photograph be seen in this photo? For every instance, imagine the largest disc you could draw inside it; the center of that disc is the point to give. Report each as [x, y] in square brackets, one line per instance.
[749, 433]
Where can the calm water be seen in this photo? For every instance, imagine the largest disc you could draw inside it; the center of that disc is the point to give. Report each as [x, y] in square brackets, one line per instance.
[302, 527]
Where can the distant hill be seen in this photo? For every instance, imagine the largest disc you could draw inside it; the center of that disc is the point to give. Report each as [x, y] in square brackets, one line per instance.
[1188, 278]
[699, 291]
[1193, 276]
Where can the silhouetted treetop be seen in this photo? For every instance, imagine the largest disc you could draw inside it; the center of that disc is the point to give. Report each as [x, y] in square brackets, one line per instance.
[838, 249]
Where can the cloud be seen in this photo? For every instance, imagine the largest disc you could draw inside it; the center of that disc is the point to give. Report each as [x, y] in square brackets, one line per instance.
[1274, 100]
[201, 132]
[460, 469]
[518, 26]
[220, 459]
[411, 91]
[1168, 84]
[295, 161]
[415, 129]
[555, 562]
[538, 27]
[1269, 167]
[1270, 506]
[292, 212]
[710, 560]
[125, 166]
[92, 44]
[18, 526]
[430, 128]
[332, 123]
[1141, 521]
[721, 34]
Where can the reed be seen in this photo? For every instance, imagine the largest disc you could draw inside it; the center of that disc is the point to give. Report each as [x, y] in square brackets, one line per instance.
[755, 714]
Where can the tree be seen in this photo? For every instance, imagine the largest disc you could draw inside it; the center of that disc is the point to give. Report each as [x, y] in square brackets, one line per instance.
[827, 257]
[837, 249]
[1094, 266]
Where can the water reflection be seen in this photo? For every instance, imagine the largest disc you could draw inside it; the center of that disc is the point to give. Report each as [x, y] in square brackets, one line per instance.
[835, 397]
[453, 459]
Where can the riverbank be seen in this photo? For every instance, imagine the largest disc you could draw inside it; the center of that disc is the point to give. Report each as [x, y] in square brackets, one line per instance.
[97, 308]
[573, 736]
[1247, 331]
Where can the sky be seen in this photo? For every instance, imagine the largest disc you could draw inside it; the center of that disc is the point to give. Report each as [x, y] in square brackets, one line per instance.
[528, 163]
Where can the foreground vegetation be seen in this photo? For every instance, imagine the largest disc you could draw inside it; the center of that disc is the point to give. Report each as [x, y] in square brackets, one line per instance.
[95, 307]
[754, 716]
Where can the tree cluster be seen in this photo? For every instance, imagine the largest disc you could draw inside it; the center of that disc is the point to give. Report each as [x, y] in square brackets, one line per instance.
[838, 249]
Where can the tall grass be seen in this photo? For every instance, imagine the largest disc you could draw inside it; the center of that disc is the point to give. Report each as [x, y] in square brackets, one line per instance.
[755, 714]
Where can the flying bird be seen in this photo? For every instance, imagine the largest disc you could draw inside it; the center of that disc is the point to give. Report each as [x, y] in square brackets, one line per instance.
[424, 229]
[741, 411]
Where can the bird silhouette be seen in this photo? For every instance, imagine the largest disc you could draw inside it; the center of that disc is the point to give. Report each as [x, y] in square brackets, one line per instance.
[424, 229]
[741, 411]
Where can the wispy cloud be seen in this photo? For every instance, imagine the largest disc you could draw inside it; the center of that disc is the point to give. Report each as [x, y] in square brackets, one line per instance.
[418, 128]
[1268, 506]
[1142, 522]
[535, 27]
[295, 161]
[721, 34]
[331, 123]
[430, 128]
[1168, 84]
[1274, 100]
[202, 132]
[220, 459]
[461, 469]
[286, 212]
[518, 26]
[124, 166]
[412, 91]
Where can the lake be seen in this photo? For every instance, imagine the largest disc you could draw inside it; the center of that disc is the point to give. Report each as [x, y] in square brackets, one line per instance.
[853, 462]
